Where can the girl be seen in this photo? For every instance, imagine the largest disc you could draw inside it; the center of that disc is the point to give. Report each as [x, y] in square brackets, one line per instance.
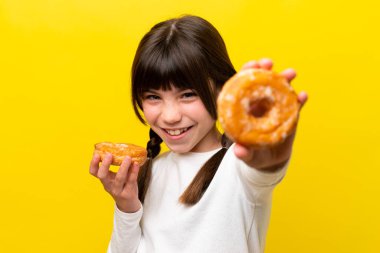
[206, 194]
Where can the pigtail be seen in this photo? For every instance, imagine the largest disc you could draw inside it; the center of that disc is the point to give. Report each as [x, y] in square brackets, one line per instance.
[153, 147]
[202, 180]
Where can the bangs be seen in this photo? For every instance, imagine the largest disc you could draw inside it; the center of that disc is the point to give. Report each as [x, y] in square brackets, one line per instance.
[170, 66]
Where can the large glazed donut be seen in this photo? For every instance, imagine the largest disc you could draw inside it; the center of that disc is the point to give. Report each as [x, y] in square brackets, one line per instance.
[120, 151]
[258, 107]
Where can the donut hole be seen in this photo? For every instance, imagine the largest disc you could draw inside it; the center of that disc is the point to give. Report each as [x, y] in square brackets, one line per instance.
[259, 107]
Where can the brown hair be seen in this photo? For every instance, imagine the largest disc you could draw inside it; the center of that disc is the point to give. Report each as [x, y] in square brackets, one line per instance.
[187, 53]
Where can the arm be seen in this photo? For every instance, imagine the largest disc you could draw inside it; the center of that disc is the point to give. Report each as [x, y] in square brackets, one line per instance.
[122, 186]
[269, 159]
[126, 233]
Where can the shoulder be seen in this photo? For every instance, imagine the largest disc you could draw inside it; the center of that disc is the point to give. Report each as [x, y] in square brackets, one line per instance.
[230, 156]
[162, 158]
[160, 161]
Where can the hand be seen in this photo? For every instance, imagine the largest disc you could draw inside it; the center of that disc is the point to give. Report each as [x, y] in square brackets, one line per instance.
[269, 158]
[122, 186]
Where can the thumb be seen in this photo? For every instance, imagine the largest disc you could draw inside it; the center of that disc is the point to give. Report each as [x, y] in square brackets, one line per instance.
[243, 153]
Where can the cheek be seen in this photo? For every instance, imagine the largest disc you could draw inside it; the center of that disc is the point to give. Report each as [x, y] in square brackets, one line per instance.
[196, 105]
[150, 114]
[199, 110]
[150, 119]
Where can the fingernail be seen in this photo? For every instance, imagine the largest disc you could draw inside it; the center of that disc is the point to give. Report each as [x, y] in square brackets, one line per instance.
[265, 59]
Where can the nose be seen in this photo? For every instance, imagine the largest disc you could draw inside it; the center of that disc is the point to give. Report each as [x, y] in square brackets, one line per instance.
[171, 113]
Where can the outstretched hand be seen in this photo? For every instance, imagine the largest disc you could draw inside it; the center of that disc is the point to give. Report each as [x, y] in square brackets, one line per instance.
[122, 186]
[269, 158]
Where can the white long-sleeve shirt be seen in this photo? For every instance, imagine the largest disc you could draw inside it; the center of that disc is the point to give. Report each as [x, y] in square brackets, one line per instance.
[232, 216]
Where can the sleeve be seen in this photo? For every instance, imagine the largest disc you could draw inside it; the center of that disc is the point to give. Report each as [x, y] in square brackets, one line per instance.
[261, 178]
[126, 234]
[258, 184]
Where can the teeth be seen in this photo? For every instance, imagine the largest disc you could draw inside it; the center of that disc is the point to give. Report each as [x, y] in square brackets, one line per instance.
[176, 132]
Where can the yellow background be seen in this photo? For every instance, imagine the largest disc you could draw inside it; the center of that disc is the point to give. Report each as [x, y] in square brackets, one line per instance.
[65, 80]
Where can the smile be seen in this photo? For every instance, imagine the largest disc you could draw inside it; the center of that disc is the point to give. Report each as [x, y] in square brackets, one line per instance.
[176, 132]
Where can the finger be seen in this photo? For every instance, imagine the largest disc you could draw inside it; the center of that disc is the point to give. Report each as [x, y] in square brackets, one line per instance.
[266, 63]
[133, 174]
[243, 153]
[251, 64]
[302, 98]
[121, 175]
[104, 169]
[94, 165]
[289, 74]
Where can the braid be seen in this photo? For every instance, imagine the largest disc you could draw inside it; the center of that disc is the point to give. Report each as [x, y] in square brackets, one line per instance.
[226, 142]
[153, 147]
[202, 180]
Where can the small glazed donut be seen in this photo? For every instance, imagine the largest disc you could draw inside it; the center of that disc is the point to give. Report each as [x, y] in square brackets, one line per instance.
[258, 107]
[120, 151]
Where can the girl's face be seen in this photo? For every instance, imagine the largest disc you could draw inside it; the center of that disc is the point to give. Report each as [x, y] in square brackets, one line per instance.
[181, 120]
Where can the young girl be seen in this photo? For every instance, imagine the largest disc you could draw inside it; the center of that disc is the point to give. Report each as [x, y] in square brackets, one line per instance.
[206, 194]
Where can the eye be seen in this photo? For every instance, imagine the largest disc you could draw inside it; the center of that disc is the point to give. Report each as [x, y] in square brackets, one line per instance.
[151, 97]
[189, 94]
